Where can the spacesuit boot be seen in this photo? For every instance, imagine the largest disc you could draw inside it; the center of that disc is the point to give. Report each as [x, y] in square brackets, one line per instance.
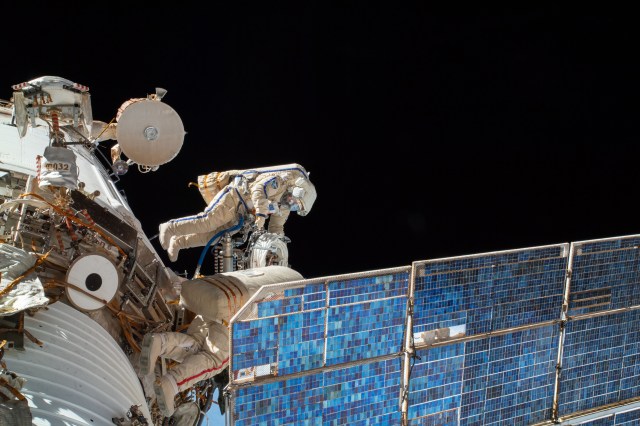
[153, 345]
[179, 242]
[166, 389]
[173, 250]
[166, 232]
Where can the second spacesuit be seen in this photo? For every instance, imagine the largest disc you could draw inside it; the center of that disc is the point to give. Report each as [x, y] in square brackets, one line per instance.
[203, 351]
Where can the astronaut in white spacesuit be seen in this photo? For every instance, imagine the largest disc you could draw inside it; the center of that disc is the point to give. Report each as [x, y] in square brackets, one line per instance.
[203, 351]
[269, 192]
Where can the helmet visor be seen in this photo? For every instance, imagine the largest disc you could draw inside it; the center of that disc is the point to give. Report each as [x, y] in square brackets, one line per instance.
[295, 204]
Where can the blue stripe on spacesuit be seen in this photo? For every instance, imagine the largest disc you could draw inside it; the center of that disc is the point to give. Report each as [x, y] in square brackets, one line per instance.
[273, 182]
[246, 208]
[209, 207]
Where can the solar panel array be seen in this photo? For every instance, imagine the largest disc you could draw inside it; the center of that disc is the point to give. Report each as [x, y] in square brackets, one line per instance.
[526, 336]
[322, 351]
[504, 378]
[601, 352]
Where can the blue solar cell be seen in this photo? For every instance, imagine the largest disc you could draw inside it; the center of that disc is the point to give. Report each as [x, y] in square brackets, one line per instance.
[301, 342]
[600, 363]
[630, 418]
[359, 395]
[368, 289]
[604, 421]
[366, 330]
[491, 292]
[279, 306]
[294, 401]
[498, 380]
[254, 343]
[364, 394]
[610, 244]
[605, 276]
[443, 418]
[290, 292]
[436, 381]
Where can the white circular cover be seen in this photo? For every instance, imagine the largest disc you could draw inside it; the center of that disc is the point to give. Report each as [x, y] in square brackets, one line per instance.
[149, 132]
[95, 274]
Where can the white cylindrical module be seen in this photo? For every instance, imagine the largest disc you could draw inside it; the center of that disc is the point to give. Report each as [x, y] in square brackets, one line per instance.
[80, 376]
[220, 296]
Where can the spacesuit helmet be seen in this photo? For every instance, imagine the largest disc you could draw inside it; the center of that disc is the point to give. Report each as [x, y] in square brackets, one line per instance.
[303, 195]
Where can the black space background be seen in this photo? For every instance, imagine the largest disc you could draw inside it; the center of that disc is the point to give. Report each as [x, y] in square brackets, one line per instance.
[426, 135]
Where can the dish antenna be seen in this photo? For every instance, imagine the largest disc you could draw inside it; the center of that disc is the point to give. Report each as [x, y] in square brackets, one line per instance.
[149, 131]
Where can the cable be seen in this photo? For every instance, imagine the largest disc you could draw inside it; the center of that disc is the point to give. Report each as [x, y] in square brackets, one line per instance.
[215, 238]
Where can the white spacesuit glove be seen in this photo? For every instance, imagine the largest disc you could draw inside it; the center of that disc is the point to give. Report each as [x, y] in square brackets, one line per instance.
[260, 220]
